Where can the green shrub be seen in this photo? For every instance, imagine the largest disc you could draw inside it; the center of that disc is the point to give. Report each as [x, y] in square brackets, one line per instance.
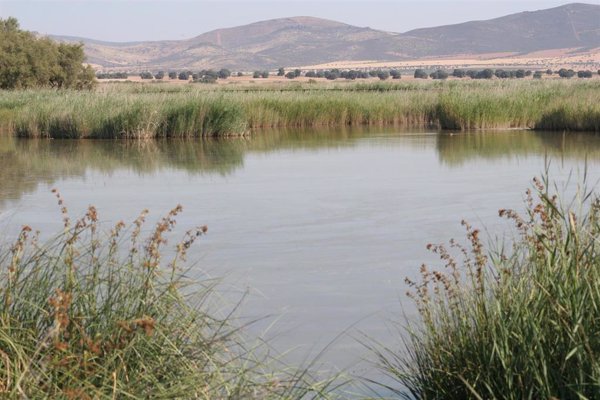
[420, 74]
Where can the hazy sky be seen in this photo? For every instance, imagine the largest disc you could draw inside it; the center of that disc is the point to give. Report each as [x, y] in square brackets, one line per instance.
[132, 20]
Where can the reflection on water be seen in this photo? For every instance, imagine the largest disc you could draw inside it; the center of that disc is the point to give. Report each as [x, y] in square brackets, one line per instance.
[323, 226]
[456, 149]
[26, 163]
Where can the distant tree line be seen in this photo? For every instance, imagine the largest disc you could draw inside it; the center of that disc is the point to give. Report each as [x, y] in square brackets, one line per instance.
[204, 76]
[439, 74]
[351, 74]
[211, 76]
[292, 74]
[260, 74]
[489, 73]
[584, 74]
[29, 61]
[112, 75]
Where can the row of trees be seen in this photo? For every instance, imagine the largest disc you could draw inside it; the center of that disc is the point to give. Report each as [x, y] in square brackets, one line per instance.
[260, 74]
[569, 73]
[499, 73]
[112, 75]
[29, 61]
[334, 74]
[211, 76]
[206, 75]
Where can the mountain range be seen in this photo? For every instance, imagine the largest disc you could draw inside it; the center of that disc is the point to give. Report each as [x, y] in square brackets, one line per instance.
[300, 41]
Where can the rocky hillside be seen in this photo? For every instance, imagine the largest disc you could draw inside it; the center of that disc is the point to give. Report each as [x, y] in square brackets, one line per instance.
[307, 40]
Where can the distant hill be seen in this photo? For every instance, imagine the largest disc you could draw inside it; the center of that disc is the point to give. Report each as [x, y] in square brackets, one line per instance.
[267, 44]
[570, 26]
[307, 40]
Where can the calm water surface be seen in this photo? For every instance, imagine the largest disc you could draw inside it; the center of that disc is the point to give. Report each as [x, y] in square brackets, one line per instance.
[320, 228]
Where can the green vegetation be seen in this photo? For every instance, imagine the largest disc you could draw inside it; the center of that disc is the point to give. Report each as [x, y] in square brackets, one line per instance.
[420, 74]
[113, 75]
[517, 322]
[483, 74]
[383, 75]
[439, 74]
[224, 73]
[260, 74]
[459, 73]
[105, 315]
[27, 61]
[154, 111]
[566, 73]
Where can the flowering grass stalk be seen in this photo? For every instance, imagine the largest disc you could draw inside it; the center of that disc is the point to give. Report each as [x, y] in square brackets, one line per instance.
[95, 315]
[519, 322]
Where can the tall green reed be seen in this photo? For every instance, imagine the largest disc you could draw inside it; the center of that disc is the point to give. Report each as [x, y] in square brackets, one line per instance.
[95, 315]
[517, 322]
[149, 111]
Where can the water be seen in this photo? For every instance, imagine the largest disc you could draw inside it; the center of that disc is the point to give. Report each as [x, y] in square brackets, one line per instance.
[319, 228]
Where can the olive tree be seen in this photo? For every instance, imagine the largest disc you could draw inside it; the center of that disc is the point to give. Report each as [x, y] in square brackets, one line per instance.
[421, 74]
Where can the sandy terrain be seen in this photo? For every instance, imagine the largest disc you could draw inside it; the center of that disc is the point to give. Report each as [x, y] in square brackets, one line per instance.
[554, 59]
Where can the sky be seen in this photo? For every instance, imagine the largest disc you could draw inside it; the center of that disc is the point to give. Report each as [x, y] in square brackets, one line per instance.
[138, 20]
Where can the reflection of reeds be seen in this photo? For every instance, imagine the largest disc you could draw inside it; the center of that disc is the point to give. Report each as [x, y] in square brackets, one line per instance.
[148, 111]
[456, 149]
[96, 315]
[26, 163]
[517, 322]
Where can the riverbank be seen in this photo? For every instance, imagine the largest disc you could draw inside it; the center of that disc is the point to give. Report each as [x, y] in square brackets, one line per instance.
[194, 110]
[512, 320]
[109, 312]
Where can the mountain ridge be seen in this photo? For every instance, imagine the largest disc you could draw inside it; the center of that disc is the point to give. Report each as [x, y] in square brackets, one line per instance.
[306, 40]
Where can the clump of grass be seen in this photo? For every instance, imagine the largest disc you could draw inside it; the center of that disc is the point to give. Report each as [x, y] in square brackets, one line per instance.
[567, 117]
[95, 315]
[519, 322]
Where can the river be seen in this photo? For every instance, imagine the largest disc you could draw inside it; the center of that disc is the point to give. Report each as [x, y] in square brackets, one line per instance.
[316, 230]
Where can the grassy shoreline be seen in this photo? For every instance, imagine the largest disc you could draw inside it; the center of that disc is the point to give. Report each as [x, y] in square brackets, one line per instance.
[96, 314]
[155, 110]
[516, 319]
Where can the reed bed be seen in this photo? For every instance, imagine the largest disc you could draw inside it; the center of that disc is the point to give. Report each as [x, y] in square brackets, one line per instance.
[155, 111]
[107, 315]
[517, 322]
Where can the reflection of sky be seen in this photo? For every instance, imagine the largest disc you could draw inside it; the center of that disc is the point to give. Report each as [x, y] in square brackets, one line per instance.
[160, 20]
[322, 236]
